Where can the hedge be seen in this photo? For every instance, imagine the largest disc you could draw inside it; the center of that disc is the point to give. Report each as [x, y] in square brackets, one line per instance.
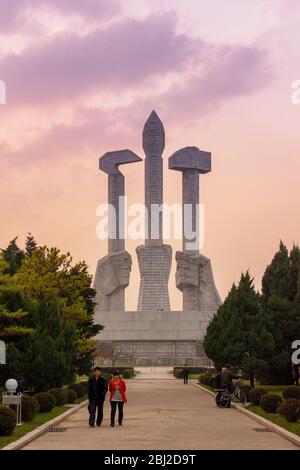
[290, 409]
[8, 421]
[270, 403]
[46, 401]
[30, 407]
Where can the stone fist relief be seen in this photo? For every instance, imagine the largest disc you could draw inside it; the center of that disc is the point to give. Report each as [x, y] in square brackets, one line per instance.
[190, 270]
[115, 272]
[112, 277]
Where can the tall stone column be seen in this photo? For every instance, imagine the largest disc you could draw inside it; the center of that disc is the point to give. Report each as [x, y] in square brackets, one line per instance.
[113, 270]
[194, 275]
[154, 257]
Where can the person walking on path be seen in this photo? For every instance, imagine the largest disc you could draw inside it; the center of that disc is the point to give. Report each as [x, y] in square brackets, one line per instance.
[185, 375]
[97, 388]
[117, 389]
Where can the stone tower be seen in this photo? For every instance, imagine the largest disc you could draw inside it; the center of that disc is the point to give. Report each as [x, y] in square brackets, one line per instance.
[154, 257]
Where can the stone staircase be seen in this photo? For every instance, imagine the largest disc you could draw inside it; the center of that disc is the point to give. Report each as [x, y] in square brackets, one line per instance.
[154, 373]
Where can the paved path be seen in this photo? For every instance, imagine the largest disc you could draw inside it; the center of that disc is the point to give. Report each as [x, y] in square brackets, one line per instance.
[164, 414]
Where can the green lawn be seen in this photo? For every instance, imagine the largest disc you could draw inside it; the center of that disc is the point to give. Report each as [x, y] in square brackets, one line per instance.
[40, 419]
[276, 389]
[276, 419]
[80, 400]
[194, 376]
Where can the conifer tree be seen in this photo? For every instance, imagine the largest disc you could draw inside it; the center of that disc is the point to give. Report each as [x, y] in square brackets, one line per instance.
[238, 334]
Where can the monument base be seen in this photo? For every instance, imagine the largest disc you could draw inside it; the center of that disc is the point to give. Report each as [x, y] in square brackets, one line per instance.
[154, 338]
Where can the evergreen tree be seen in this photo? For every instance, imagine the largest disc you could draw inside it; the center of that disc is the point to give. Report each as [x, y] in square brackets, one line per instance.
[295, 271]
[46, 275]
[277, 278]
[46, 360]
[12, 304]
[238, 333]
[13, 319]
[280, 293]
[14, 256]
[30, 245]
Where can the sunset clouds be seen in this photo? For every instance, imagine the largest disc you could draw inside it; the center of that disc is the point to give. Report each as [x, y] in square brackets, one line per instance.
[82, 78]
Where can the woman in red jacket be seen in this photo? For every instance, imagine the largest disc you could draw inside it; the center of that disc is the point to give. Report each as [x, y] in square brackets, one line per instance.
[117, 389]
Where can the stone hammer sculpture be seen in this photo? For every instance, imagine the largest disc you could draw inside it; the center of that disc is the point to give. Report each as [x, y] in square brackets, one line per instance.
[113, 271]
[194, 274]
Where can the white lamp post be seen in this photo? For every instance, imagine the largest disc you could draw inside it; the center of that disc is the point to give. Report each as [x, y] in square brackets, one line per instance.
[10, 398]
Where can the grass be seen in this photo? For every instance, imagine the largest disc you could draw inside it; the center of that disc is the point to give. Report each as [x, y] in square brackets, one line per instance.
[194, 376]
[276, 419]
[26, 427]
[274, 389]
[80, 400]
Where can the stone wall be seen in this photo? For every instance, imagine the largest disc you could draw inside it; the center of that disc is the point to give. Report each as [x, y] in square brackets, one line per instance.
[158, 353]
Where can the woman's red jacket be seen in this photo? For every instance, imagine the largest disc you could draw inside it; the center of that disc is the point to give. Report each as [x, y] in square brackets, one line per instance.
[112, 388]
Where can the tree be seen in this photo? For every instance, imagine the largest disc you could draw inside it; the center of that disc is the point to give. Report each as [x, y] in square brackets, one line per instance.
[14, 256]
[109, 350]
[47, 275]
[280, 285]
[13, 316]
[277, 278]
[238, 333]
[12, 313]
[295, 271]
[30, 245]
[46, 360]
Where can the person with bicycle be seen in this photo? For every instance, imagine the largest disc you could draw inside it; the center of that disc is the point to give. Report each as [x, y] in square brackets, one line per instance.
[226, 378]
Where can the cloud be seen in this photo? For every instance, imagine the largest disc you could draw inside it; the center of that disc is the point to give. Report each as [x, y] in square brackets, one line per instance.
[13, 12]
[234, 71]
[122, 55]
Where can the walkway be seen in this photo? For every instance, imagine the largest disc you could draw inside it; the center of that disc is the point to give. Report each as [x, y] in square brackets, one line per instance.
[164, 414]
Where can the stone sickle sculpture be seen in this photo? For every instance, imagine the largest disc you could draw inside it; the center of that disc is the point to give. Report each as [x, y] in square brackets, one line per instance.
[113, 271]
[194, 274]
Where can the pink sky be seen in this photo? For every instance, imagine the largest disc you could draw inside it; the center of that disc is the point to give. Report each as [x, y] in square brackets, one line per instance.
[82, 78]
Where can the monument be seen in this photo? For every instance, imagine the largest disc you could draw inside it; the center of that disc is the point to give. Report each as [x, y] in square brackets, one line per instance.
[153, 334]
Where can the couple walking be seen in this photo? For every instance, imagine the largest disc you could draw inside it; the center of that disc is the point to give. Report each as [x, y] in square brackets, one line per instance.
[97, 389]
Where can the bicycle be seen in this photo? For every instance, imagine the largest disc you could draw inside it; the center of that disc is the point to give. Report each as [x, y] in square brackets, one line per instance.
[223, 396]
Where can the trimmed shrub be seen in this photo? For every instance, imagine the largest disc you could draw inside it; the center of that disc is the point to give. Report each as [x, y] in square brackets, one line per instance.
[246, 389]
[270, 403]
[60, 395]
[8, 421]
[128, 373]
[71, 395]
[207, 379]
[290, 409]
[177, 371]
[108, 371]
[55, 393]
[84, 386]
[291, 392]
[211, 381]
[79, 389]
[46, 401]
[30, 407]
[256, 394]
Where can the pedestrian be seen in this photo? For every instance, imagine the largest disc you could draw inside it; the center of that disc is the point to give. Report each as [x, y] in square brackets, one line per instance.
[117, 389]
[97, 388]
[185, 375]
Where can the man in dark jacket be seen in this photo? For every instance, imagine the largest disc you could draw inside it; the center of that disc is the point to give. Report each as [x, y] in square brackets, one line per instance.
[97, 388]
[226, 380]
[185, 375]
